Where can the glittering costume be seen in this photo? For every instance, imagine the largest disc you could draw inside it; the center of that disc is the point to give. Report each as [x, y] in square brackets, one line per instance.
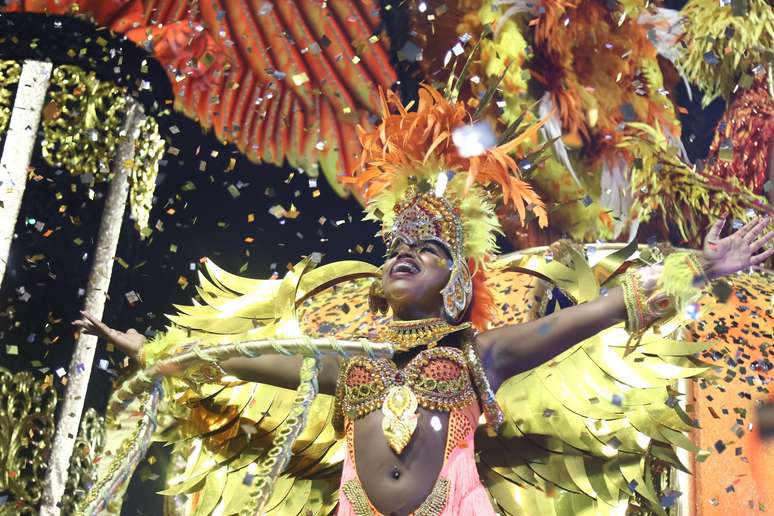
[567, 437]
[437, 379]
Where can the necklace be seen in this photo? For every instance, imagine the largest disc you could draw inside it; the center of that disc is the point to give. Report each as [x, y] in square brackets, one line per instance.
[405, 335]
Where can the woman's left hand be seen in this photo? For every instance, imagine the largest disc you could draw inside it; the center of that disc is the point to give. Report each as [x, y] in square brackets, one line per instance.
[723, 256]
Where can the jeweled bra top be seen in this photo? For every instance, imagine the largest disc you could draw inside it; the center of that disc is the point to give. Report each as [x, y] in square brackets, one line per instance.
[438, 377]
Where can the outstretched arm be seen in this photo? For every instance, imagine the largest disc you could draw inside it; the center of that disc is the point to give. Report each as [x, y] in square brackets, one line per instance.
[277, 370]
[515, 348]
[512, 349]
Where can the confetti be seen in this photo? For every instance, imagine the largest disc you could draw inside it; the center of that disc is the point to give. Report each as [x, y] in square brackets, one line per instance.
[301, 78]
[474, 139]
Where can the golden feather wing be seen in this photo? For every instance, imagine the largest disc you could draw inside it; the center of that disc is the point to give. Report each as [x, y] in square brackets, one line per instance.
[224, 430]
[578, 430]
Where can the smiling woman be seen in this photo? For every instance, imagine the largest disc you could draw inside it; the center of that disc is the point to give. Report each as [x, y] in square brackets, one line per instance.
[413, 277]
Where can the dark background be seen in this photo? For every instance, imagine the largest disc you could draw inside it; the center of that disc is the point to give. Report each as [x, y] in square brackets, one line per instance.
[198, 217]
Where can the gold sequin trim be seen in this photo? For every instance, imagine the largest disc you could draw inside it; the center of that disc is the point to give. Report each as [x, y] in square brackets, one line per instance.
[432, 506]
[444, 395]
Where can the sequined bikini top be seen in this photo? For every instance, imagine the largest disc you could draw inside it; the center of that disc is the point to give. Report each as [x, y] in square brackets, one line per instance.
[438, 377]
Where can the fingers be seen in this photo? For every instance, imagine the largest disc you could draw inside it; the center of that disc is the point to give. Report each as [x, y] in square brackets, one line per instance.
[90, 317]
[99, 325]
[762, 241]
[717, 228]
[759, 226]
[84, 326]
[747, 228]
[762, 257]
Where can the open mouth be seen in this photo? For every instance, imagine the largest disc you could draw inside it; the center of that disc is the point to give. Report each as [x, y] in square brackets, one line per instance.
[404, 267]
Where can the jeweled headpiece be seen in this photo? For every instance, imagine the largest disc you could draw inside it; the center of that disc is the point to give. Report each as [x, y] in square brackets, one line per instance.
[419, 185]
[429, 217]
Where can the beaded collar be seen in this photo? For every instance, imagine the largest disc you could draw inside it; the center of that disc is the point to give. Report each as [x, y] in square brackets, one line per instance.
[406, 335]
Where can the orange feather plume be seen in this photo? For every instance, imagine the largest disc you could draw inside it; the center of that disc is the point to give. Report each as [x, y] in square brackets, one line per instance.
[406, 141]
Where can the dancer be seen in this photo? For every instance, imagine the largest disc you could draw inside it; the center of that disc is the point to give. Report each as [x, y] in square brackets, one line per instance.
[409, 424]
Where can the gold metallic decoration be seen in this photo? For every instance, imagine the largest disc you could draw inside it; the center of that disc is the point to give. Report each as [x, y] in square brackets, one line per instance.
[81, 132]
[9, 77]
[489, 405]
[280, 453]
[357, 498]
[26, 430]
[377, 303]
[82, 128]
[400, 416]
[359, 399]
[83, 462]
[656, 293]
[148, 151]
[432, 506]
[116, 473]
[406, 335]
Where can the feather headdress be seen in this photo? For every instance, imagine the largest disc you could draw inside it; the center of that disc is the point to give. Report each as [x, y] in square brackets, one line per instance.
[412, 168]
[414, 147]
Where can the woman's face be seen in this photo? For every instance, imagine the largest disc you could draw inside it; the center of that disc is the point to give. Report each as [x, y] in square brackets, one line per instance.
[413, 277]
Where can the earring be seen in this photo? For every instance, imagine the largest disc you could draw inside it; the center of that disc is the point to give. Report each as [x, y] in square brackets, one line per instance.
[377, 302]
[457, 293]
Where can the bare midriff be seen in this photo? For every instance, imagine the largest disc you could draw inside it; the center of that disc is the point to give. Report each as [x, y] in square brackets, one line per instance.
[398, 484]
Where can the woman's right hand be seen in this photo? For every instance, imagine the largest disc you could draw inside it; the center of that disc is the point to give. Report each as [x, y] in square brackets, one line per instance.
[130, 342]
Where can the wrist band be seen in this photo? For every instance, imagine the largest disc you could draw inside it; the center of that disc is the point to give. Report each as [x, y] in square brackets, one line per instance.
[677, 287]
[141, 358]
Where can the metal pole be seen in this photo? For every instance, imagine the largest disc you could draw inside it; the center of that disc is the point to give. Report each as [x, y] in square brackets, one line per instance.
[17, 151]
[96, 294]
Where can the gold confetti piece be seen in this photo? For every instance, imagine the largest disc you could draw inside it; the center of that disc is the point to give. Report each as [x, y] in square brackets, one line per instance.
[182, 281]
[315, 193]
[278, 211]
[121, 262]
[173, 248]
[300, 78]
[250, 217]
[233, 190]
[231, 164]
[355, 59]
[293, 212]
[12, 349]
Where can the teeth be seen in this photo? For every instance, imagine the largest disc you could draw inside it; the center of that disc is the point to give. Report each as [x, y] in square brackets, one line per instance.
[406, 267]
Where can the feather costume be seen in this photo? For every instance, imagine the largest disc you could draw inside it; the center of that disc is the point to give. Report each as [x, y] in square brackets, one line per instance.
[574, 434]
